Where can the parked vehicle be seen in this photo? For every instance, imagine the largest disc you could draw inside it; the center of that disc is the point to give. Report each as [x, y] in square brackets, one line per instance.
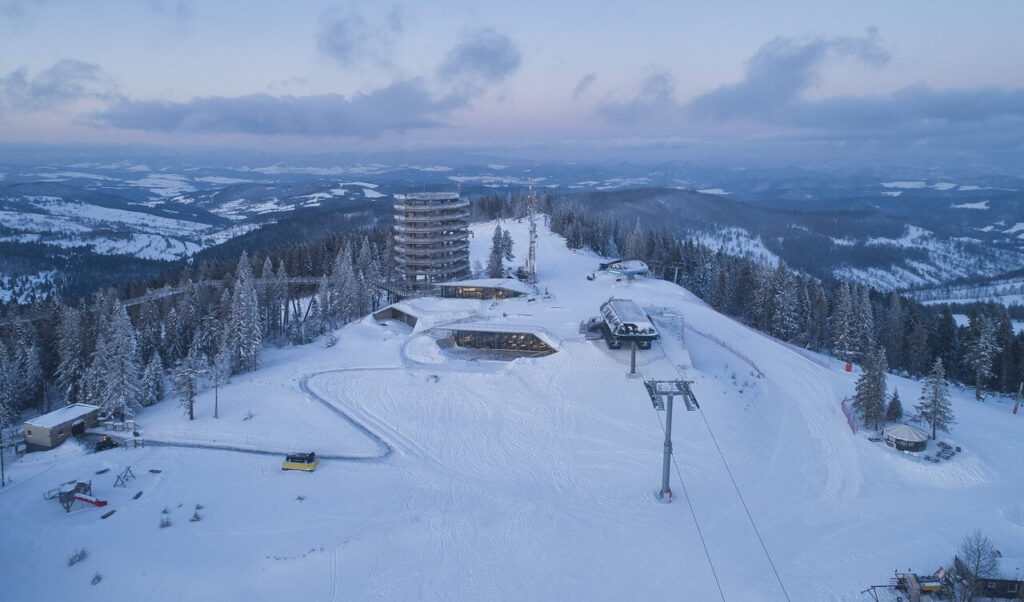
[105, 443]
[300, 461]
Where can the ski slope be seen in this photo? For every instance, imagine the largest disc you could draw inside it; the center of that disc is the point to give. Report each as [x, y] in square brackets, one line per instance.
[526, 479]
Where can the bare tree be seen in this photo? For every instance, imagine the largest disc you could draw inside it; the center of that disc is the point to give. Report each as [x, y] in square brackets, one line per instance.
[976, 560]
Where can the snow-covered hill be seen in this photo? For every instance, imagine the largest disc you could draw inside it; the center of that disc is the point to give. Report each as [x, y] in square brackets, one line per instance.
[448, 476]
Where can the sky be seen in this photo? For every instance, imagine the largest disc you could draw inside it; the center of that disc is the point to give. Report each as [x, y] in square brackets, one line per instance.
[834, 77]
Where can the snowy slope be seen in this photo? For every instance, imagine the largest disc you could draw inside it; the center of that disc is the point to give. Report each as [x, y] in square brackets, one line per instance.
[524, 479]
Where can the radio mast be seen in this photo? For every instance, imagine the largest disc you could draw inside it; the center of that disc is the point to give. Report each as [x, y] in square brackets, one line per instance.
[531, 258]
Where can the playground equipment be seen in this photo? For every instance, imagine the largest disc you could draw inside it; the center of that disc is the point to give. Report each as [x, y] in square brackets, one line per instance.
[300, 461]
[67, 493]
[123, 478]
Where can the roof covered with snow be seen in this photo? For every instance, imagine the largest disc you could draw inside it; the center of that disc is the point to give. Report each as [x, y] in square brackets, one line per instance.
[63, 415]
[905, 432]
[508, 284]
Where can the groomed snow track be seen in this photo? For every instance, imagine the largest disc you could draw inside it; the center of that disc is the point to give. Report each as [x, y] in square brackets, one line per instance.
[383, 447]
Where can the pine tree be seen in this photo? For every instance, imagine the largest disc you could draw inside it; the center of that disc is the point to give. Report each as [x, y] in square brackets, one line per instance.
[7, 404]
[244, 333]
[344, 289]
[935, 409]
[980, 351]
[869, 400]
[863, 322]
[495, 266]
[895, 331]
[894, 411]
[946, 344]
[635, 246]
[783, 303]
[187, 379]
[917, 349]
[507, 246]
[120, 386]
[840, 335]
[71, 353]
[153, 381]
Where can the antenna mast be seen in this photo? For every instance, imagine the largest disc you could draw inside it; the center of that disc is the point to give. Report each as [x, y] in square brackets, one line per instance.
[531, 258]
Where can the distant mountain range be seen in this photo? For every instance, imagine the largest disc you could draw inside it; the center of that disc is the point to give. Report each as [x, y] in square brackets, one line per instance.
[891, 228]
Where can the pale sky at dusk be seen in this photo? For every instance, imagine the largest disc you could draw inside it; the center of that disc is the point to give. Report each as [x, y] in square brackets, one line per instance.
[376, 75]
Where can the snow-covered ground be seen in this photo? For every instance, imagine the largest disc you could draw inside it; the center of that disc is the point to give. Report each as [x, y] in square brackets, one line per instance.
[526, 479]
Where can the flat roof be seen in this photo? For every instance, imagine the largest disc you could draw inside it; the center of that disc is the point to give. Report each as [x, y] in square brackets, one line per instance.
[61, 416]
[427, 196]
[508, 284]
[506, 328]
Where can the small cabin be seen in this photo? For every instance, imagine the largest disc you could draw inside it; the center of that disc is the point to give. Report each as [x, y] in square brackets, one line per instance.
[50, 430]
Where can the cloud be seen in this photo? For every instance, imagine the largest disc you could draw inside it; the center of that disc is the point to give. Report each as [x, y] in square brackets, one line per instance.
[583, 85]
[781, 71]
[350, 40]
[481, 58]
[181, 10]
[653, 102]
[399, 107]
[63, 83]
[770, 103]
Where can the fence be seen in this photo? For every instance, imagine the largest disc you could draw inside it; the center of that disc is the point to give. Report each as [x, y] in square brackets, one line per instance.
[845, 404]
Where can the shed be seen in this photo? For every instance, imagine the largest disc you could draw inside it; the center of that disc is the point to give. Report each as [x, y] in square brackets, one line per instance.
[905, 437]
[485, 288]
[50, 430]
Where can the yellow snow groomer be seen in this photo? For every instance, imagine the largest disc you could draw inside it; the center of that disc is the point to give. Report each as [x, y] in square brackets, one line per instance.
[300, 461]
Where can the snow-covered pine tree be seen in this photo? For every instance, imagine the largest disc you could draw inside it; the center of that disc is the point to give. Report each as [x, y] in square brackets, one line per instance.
[947, 342]
[935, 409]
[895, 335]
[894, 411]
[120, 389]
[70, 353]
[321, 321]
[173, 347]
[279, 306]
[495, 265]
[507, 246]
[636, 244]
[7, 405]
[244, 331]
[840, 329]
[917, 349]
[783, 303]
[1003, 362]
[153, 381]
[862, 324]
[187, 379]
[980, 351]
[370, 276]
[869, 399]
[344, 288]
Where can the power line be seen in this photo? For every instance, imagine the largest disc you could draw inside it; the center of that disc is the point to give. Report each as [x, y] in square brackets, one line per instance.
[743, 503]
[696, 523]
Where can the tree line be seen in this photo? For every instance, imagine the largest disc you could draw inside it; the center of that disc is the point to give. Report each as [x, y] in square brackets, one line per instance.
[102, 352]
[849, 321]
